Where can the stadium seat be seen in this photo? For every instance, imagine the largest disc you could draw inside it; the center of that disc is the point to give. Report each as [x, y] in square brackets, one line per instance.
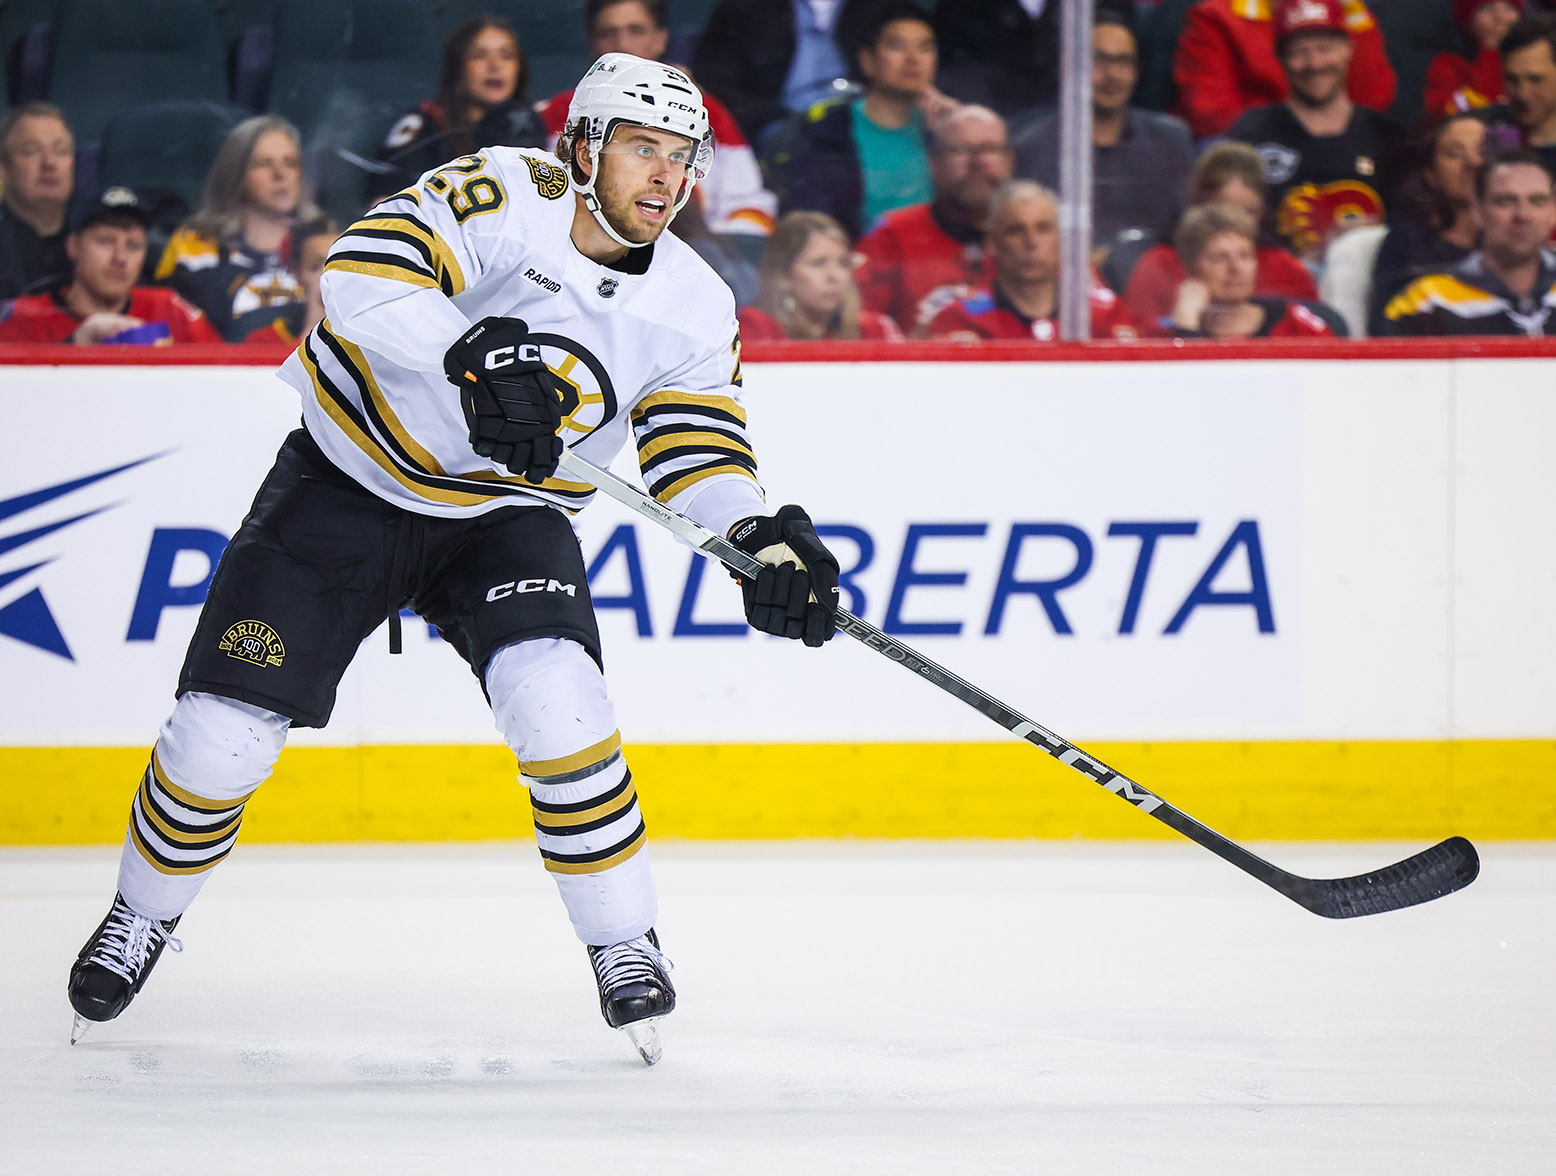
[1347, 281]
[163, 150]
[342, 161]
[108, 55]
[335, 58]
[25, 29]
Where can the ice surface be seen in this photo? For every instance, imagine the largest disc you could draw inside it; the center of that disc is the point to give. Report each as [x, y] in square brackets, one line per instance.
[844, 1008]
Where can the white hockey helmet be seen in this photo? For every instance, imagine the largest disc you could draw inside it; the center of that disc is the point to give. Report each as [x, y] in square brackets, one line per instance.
[620, 88]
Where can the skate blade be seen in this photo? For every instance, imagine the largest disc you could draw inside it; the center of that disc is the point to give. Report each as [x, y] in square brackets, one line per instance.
[79, 1026]
[644, 1036]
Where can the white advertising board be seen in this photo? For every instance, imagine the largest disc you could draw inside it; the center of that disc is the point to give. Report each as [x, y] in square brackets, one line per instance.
[1126, 551]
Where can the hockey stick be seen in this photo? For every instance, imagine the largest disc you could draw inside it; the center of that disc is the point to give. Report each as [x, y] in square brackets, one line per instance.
[1448, 866]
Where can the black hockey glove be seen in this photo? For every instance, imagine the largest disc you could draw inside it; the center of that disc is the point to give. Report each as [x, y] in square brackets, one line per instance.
[796, 594]
[513, 402]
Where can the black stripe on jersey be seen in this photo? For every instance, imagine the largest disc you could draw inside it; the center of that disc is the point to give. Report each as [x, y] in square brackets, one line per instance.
[547, 806]
[391, 260]
[724, 456]
[703, 410]
[674, 476]
[651, 435]
[399, 237]
[599, 855]
[586, 826]
[390, 446]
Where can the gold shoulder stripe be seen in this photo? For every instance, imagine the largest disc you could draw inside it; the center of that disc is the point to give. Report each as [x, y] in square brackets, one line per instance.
[1443, 290]
[443, 255]
[376, 270]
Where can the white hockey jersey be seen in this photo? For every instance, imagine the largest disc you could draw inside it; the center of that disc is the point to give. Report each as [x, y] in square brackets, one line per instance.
[657, 351]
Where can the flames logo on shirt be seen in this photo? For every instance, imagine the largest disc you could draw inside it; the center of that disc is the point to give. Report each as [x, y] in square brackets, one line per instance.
[1310, 214]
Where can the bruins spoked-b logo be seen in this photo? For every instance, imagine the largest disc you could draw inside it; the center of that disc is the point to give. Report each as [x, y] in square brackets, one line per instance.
[253, 641]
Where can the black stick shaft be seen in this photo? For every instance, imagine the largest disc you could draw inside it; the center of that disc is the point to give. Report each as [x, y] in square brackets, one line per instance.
[1444, 868]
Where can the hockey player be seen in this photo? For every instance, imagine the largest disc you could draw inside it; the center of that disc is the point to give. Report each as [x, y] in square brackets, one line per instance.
[544, 289]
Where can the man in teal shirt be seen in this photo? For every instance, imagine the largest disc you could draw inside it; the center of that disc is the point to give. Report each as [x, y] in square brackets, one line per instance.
[859, 158]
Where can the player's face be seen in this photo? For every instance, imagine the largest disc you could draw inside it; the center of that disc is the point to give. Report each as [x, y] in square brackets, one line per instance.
[1316, 66]
[1115, 67]
[1229, 267]
[1518, 214]
[819, 277]
[1529, 76]
[641, 172]
[971, 159]
[1024, 238]
[274, 182]
[627, 27]
[1458, 152]
[107, 259]
[39, 161]
[491, 67]
[1243, 197]
[902, 60]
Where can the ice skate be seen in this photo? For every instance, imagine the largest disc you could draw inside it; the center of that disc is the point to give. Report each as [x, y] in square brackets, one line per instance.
[114, 964]
[635, 990]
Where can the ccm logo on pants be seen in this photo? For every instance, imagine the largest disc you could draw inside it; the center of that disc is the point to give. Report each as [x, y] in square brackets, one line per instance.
[515, 586]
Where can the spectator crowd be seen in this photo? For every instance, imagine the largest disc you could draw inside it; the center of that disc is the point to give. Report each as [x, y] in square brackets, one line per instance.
[883, 169]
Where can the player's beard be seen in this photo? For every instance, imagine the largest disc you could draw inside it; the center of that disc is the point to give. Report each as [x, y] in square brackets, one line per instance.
[619, 207]
[1318, 87]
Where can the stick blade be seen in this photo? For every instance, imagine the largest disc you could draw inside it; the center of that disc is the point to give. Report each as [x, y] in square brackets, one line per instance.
[1447, 866]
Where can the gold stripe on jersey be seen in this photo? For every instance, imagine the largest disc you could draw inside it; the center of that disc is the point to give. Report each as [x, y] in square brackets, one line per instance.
[694, 440]
[444, 266]
[1447, 291]
[398, 271]
[340, 410]
[593, 754]
[666, 489]
[412, 456]
[688, 402]
[171, 845]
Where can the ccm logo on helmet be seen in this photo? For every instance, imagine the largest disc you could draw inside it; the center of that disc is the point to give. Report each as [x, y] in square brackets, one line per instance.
[513, 587]
[504, 356]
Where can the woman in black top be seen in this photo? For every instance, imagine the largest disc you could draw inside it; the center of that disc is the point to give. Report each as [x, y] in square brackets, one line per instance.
[1437, 230]
[482, 101]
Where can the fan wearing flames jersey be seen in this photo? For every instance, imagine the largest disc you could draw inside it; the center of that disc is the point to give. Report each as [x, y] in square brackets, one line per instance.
[1228, 60]
[1022, 301]
[1332, 164]
[506, 305]
[1456, 83]
[1508, 285]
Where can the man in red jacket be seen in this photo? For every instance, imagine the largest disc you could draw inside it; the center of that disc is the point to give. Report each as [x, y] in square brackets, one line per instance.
[101, 303]
[1022, 302]
[1226, 62]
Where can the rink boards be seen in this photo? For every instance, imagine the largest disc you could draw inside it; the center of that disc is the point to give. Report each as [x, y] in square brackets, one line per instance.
[1298, 598]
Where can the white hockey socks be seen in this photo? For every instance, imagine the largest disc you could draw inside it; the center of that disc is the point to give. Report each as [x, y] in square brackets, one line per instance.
[550, 703]
[211, 754]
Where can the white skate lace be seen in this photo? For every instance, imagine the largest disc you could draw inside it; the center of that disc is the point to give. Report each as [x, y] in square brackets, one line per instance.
[127, 940]
[629, 962]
